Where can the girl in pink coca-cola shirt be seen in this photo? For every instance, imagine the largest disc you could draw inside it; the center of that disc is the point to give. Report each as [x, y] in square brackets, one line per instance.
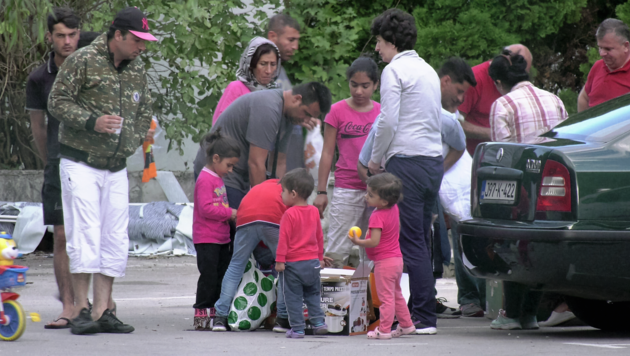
[346, 127]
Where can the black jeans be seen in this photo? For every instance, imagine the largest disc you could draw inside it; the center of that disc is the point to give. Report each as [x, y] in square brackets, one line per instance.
[212, 262]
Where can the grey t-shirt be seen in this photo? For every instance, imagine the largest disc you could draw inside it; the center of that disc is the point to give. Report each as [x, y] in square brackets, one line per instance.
[295, 154]
[253, 118]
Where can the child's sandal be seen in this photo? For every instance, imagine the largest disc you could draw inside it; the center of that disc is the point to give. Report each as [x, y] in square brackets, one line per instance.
[378, 334]
[400, 331]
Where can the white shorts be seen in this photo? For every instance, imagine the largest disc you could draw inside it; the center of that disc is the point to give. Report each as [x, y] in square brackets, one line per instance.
[347, 209]
[96, 216]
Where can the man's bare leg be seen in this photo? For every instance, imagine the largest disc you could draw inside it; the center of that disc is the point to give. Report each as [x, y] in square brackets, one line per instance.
[61, 265]
[102, 294]
[81, 284]
[111, 305]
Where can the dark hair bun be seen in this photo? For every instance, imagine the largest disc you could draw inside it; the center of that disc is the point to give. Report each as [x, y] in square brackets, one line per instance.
[219, 144]
[509, 69]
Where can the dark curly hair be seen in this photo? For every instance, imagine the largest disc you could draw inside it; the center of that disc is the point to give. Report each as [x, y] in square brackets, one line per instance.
[509, 68]
[397, 27]
[387, 186]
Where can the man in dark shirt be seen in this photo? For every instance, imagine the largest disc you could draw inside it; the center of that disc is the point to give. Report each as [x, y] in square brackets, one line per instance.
[63, 33]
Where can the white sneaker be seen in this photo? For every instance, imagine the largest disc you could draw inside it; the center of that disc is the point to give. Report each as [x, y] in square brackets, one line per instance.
[426, 330]
[557, 318]
[422, 329]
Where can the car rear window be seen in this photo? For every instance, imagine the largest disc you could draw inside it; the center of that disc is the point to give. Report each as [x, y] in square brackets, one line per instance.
[601, 126]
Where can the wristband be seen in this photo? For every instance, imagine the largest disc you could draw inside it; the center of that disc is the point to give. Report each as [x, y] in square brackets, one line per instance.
[320, 192]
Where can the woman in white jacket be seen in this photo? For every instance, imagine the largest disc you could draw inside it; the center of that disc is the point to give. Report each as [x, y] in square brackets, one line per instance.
[408, 137]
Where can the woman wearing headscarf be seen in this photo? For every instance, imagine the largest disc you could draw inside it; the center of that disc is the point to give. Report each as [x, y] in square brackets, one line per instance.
[258, 69]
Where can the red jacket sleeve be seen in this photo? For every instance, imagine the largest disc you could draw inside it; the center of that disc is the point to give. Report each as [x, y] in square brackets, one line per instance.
[205, 199]
[286, 228]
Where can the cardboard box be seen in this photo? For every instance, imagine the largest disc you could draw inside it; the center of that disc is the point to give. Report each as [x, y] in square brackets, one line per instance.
[344, 301]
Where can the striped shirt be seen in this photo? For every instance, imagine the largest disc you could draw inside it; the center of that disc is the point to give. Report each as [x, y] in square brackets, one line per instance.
[524, 113]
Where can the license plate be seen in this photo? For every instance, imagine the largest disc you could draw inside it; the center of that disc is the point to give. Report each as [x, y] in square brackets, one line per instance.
[502, 191]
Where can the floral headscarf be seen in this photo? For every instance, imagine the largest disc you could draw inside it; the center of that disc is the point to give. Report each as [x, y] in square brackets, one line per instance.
[245, 75]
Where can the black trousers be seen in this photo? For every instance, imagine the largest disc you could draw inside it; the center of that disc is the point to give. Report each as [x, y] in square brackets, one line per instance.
[520, 300]
[212, 262]
[421, 177]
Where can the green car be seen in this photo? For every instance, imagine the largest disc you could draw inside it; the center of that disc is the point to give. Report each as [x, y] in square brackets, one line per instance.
[556, 215]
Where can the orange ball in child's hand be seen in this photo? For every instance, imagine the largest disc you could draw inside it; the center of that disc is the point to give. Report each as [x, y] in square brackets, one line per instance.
[355, 231]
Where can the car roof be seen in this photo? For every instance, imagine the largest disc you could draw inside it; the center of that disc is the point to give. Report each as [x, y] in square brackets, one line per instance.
[601, 123]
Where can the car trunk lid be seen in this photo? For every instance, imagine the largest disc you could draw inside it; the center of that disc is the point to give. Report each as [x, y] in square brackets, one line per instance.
[521, 183]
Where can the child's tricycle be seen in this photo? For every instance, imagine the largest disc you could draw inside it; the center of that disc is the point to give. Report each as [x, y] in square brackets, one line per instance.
[12, 317]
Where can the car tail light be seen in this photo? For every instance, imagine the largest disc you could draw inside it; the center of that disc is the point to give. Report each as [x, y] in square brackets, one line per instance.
[555, 188]
[474, 195]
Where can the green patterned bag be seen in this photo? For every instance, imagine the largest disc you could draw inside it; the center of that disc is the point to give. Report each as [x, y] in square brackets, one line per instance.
[254, 299]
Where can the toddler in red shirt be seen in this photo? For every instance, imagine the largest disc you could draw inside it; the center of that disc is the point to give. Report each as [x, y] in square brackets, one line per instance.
[211, 231]
[300, 254]
[381, 244]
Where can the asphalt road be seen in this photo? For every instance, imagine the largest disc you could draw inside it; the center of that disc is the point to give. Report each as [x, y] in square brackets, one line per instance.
[157, 295]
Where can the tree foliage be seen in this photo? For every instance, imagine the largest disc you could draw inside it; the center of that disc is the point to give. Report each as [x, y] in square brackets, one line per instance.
[338, 31]
[22, 27]
[197, 56]
[559, 33]
[200, 43]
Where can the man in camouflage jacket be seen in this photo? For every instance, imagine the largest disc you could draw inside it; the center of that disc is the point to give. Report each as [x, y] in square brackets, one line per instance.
[101, 97]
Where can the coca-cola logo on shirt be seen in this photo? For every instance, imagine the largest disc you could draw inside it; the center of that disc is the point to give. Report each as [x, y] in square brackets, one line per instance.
[350, 130]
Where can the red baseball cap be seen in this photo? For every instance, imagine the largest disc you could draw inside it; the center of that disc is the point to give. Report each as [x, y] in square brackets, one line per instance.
[134, 21]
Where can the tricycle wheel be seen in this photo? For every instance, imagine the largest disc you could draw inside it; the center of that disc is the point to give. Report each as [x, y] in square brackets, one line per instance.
[17, 321]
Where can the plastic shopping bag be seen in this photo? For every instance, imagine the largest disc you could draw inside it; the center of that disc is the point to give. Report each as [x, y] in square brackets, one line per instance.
[254, 299]
[313, 148]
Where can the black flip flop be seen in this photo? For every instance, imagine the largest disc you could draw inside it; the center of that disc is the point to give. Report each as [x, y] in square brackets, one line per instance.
[67, 326]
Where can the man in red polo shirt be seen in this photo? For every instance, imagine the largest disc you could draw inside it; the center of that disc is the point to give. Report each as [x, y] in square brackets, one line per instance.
[609, 77]
[478, 99]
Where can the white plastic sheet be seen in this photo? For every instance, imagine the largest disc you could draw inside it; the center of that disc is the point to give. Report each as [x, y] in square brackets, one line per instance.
[29, 227]
[313, 148]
